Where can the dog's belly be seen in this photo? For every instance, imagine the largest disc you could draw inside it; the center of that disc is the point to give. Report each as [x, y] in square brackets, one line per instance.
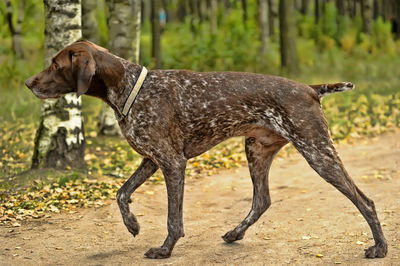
[199, 143]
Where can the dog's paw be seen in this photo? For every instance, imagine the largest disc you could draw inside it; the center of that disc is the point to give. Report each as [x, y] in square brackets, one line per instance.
[158, 253]
[132, 224]
[377, 251]
[232, 236]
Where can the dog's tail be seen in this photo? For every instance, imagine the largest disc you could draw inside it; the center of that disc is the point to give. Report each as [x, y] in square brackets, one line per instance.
[325, 89]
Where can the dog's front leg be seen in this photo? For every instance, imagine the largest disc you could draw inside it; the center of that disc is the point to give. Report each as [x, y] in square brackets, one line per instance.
[144, 171]
[174, 175]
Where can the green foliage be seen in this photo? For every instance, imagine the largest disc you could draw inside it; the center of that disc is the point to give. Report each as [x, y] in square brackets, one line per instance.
[329, 21]
[227, 50]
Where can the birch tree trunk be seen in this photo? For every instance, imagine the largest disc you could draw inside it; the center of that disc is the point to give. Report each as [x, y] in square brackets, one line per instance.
[124, 28]
[16, 35]
[90, 29]
[289, 59]
[263, 25]
[124, 40]
[60, 141]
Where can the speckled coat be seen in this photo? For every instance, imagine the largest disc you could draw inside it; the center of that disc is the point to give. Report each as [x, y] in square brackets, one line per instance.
[180, 114]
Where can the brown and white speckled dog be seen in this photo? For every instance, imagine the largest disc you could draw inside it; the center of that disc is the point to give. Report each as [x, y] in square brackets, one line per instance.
[180, 114]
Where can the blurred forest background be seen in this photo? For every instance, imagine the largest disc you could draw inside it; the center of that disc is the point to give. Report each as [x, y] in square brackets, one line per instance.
[310, 41]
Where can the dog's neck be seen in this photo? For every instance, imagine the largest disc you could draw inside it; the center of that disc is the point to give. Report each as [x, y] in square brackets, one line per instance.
[114, 79]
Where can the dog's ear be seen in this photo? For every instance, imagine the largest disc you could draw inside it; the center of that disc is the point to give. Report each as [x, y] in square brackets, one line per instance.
[83, 68]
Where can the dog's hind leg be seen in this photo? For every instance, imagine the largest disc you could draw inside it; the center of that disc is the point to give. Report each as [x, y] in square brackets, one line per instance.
[259, 158]
[144, 171]
[315, 144]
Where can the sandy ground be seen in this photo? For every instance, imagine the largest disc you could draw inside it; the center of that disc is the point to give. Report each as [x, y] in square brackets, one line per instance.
[307, 217]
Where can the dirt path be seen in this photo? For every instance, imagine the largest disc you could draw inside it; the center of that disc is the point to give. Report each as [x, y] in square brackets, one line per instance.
[307, 217]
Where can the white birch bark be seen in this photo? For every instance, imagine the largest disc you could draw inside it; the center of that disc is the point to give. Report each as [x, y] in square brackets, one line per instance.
[60, 138]
[124, 40]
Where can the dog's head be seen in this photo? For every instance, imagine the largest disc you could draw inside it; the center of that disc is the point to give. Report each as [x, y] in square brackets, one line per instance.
[71, 70]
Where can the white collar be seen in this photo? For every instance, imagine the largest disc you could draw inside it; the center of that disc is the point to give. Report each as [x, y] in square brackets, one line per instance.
[134, 92]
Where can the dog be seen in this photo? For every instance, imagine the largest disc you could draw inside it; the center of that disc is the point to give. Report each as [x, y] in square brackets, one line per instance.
[170, 116]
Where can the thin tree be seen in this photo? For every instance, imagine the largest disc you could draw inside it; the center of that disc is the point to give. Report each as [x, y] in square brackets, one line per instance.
[340, 6]
[15, 30]
[90, 28]
[396, 18]
[317, 11]
[244, 9]
[289, 59]
[156, 32]
[124, 40]
[263, 25]
[194, 13]
[213, 12]
[272, 17]
[377, 8]
[305, 7]
[60, 140]
[367, 15]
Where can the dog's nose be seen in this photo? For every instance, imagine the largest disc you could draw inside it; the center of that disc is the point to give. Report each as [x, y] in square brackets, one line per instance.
[29, 82]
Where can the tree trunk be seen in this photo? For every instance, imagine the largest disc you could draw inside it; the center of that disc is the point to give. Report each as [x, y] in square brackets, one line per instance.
[386, 9]
[354, 8]
[124, 40]
[340, 8]
[90, 29]
[193, 15]
[272, 17]
[201, 9]
[244, 10]
[396, 19]
[263, 25]
[213, 16]
[182, 10]
[297, 5]
[156, 33]
[60, 140]
[124, 28]
[377, 9]
[317, 11]
[16, 35]
[367, 15]
[289, 60]
[305, 7]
